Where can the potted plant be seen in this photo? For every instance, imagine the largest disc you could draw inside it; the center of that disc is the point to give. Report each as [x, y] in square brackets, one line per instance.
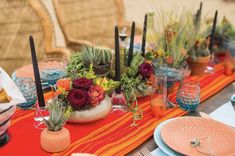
[224, 36]
[99, 57]
[199, 57]
[55, 137]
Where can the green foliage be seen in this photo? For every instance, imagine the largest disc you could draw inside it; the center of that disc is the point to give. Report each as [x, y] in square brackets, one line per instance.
[105, 55]
[136, 61]
[87, 73]
[95, 55]
[130, 85]
[200, 49]
[58, 115]
[89, 56]
[74, 65]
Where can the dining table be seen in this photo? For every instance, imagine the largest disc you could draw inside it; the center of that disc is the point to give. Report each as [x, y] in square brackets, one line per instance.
[208, 106]
[114, 134]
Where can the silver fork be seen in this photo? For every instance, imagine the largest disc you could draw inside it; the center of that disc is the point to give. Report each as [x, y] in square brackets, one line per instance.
[146, 152]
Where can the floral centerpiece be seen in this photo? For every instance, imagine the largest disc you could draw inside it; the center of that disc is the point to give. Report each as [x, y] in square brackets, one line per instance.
[85, 93]
[137, 80]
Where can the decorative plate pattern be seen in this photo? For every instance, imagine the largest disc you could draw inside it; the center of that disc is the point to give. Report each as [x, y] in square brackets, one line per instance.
[212, 137]
[161, 144]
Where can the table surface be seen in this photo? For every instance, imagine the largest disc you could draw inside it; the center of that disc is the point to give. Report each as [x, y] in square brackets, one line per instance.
[207, 106]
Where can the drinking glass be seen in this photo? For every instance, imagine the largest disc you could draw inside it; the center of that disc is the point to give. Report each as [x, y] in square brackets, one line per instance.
[159, 103]
[28, 89]
[188, 95]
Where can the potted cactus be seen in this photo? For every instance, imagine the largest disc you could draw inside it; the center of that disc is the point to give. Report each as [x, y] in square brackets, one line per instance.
[55, 137]
[199, 57]
[99, 57]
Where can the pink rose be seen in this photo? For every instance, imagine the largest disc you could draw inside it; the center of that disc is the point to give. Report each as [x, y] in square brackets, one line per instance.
[96, 94]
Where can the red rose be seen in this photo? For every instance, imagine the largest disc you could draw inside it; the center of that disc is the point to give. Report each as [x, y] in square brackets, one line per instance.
[146, 70]
[96, 94]
[82, 83]
[78, 98]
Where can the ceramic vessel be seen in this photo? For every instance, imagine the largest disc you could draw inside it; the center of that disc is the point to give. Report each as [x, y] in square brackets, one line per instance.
[102, 69]
[96, 113]
[198, 66]
[55, 141]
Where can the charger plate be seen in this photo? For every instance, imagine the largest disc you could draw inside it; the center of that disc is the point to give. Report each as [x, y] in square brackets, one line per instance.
[161, 144]
[214, 138]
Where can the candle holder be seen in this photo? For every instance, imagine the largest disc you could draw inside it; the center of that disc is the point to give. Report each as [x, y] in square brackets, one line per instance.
[40, 114]
[119, 102]
[188, 95]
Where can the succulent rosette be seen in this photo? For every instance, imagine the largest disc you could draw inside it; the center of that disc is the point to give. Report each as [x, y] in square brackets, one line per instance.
[82, 83]
[96, 94]
[146, 70]
[78, 98]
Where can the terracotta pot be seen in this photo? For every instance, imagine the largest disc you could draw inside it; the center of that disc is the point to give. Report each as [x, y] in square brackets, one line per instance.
[198, 66]
[55, 141]
[102, 69]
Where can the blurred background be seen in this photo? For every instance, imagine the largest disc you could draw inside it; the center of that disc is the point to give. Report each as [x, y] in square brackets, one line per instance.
[60, 27]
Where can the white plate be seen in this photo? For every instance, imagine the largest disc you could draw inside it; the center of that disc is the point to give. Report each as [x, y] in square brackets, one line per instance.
[158, 140]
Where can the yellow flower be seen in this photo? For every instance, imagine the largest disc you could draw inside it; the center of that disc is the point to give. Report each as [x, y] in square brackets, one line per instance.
[160, 52]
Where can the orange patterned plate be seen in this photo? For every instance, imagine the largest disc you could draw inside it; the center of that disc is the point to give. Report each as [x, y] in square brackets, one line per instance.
[195, 136]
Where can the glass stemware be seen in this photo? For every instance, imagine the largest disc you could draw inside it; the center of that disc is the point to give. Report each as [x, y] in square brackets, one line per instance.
[28, 89]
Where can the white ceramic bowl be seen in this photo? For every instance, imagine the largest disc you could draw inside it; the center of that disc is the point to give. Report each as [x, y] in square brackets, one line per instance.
[96, 113]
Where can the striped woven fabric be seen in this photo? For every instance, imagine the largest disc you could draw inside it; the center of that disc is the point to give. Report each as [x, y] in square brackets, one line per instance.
[112, 135]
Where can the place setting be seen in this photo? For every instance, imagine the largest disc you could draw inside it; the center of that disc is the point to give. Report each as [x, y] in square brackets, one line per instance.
[167, 82]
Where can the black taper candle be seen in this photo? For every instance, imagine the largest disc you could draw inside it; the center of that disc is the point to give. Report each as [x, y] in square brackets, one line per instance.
[144, 35]
[36, 73]
[117, 59]
[130, 54]
[212, 36]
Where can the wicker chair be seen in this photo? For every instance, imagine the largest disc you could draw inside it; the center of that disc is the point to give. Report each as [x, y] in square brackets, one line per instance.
[90, 21]
[19, 19]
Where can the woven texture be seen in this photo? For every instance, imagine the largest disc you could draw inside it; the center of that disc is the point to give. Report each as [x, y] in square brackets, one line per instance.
[17, 21]
[110, 136]
[91, 20]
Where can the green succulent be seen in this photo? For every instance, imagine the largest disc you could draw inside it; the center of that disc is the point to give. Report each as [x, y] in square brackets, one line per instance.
[58, 115]
[105, 55]
[89, 56]
[74, 65]
[95, 55]
[136, 61]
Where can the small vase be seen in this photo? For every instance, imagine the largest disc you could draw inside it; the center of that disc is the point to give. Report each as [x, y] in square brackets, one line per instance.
[188, 95]
[55, 141]
[199, 65]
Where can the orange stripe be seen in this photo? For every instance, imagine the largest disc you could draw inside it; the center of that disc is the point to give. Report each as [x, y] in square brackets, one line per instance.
[100, 132]
[132, 137]
[140, 140]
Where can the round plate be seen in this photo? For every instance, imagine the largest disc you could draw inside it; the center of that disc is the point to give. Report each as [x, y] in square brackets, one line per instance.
[215, 137]
[158, 140]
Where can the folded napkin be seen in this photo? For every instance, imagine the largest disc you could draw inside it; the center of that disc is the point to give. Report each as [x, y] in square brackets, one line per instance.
[225, 114]
[12, 90]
